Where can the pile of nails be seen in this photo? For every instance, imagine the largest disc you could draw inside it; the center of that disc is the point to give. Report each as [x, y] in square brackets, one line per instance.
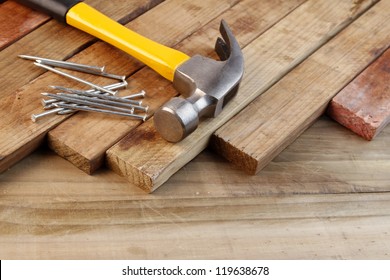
[100, 99]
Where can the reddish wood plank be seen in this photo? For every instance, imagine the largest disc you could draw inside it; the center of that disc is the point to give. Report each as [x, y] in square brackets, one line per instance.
[363, 106]
[17, 21]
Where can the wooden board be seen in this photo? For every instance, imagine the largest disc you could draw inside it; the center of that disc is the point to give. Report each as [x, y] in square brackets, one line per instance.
[273, 121]
[148, 161]
[92, 128]
[326, 196]
[363, 106]
[16, 21]
[321, 198]
[22, 83]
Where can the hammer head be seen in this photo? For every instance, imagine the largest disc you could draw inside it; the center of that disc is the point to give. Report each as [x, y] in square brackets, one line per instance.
[206, 85]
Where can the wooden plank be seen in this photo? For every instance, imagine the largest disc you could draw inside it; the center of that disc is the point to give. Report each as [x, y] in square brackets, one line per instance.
[286, 110]
[48, 207]
[248, 19]
[20, 136]
[363, 106]
[54, 225]
[16, 21]
[148, 161]
[325, 159]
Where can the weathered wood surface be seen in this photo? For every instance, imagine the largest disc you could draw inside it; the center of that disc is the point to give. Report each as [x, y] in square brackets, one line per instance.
[16, 21]
[321, 198]
[148, 161]
[22, 83]
[288, 108]
[326, 196]
[65, 139]
[363, 106]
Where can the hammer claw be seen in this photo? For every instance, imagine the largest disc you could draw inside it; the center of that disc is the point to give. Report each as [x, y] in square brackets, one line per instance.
[222, 49]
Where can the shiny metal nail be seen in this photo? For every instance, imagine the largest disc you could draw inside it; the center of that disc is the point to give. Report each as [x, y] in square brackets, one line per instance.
[46, 102]
[74, 78]
[112, 76]
[140, 94]
[106, 97]
[66, 64]
[119, 103]
[65, 111]
[115, 86]
[91, 109]
[89, 69]
[35, 117]
[92, 102]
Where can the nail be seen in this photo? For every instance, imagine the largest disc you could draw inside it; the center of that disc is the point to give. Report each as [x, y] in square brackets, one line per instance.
[65, 111]
[115, 86]
[111, 76]
[35, 117]
[95, 70]
[46, 102]
[98, 100]
[92, 102]
[50, 106]
[140, 94]
[105, 97]
[90, 109]
[74, 78]
[66, 64]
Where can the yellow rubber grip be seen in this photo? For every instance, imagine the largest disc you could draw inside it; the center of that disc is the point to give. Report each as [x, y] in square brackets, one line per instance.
[160, 58]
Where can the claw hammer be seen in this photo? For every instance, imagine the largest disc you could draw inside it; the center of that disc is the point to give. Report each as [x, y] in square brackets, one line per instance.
[206, 84]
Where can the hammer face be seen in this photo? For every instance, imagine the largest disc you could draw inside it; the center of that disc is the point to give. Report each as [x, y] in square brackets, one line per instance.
[207, 84]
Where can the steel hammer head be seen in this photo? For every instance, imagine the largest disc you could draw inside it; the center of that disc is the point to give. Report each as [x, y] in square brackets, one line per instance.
[206, 85]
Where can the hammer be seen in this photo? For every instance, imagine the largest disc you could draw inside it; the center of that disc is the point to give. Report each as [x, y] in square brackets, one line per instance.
[206, 84]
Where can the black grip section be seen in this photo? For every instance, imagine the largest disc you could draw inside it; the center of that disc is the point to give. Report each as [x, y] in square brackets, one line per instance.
[54, 8]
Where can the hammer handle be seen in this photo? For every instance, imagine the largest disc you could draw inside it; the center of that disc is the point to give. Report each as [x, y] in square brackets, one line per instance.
[54, 8]
[160, 58]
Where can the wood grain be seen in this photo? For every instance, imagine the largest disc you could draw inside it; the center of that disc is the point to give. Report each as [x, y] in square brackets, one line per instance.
[363, 106]
[326, 196]
[92, 128]
[22, 83]
[288, 108]
[16, 21]
[148, 161]
[321, 198]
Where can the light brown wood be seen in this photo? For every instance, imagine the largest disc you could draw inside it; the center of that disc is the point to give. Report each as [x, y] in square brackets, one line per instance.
[20, 97]
[321, 198]
[363, 106]
[288, 108]
[16, 21]
[148, 161]
[326, 196]
[65, 139]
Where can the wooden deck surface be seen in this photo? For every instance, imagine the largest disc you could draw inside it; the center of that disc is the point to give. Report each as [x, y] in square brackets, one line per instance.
[326, 196]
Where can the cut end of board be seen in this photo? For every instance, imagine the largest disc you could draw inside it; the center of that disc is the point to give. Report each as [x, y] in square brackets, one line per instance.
[131, 173]
[89, 166]
[234, 155]
[363, 106]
